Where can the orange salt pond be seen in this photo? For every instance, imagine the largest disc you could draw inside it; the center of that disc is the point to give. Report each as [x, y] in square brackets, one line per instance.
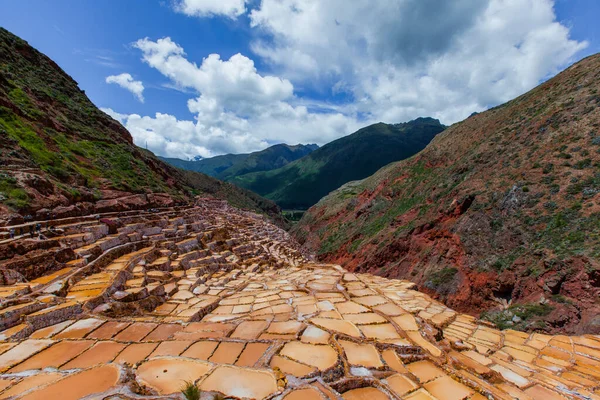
[365, 394]
[304, 394]
[319, 356]
[364, 355]
[241, 382]
[30, 382]
[73, 387]
[400, 384]
[291, 367]
[337, 325]
[169, 375]
[135, 353]
[21, 352]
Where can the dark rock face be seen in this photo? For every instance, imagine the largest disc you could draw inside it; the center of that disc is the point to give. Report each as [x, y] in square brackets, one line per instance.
[500, 211]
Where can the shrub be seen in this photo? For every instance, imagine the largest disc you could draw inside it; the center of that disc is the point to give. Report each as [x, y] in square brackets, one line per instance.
[190, 391]
[559, 298]
[583, 164]
[519, 316]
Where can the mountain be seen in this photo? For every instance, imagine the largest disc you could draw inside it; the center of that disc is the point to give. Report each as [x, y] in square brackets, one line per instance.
[302, 183]
[209, 166]
[500, 213]
[228, 166]
[269, 159]
[60, 154]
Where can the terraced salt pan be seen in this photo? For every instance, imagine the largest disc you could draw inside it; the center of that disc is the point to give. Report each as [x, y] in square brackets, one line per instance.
[380, 332]
[135, 353]
[304, 394]
[336, 325]
[365, 394]
[314, 335]
[365, 318]
[21, 352]
[291, 367]
[54, 356]
[289, 325]
[365, 355]
[31, 382]
[401, 384]
[80, 328]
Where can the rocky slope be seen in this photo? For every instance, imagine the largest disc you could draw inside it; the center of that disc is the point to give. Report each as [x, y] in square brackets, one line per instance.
[302, 183]
[229, 166]
[501, 212]
[61, 155]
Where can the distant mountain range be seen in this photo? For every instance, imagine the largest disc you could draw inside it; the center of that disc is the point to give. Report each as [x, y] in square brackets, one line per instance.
[296, 177]
[301, 183]
[231, 165]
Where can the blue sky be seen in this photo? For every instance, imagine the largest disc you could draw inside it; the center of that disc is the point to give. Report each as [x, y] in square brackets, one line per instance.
[309, 71]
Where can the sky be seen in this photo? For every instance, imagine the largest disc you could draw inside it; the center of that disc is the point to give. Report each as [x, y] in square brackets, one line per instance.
[207, 77]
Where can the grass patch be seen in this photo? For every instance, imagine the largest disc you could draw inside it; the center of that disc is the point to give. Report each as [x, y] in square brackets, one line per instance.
[441, 277]
[21, 100]
[11, 194]
[86, 159]
[190, 391]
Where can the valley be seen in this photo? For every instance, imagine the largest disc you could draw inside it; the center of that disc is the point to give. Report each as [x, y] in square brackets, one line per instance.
[301, 182]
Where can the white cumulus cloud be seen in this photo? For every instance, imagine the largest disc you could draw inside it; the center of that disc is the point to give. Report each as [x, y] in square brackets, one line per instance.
[209, 8]
[127, 82]
[390, 60]
[400, 59]
[236, 109]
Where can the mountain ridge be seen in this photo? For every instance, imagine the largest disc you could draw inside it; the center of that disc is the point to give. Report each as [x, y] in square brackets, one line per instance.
[228, 165]
[61, 155]
[302, 183]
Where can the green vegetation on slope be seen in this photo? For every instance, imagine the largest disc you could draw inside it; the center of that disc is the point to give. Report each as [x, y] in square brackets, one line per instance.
[57, 146]
[302, 183]
[228, 166]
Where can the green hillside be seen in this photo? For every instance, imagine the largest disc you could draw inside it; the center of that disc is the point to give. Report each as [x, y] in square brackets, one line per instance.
[57, 149]
[228, 166]
[302, 183]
